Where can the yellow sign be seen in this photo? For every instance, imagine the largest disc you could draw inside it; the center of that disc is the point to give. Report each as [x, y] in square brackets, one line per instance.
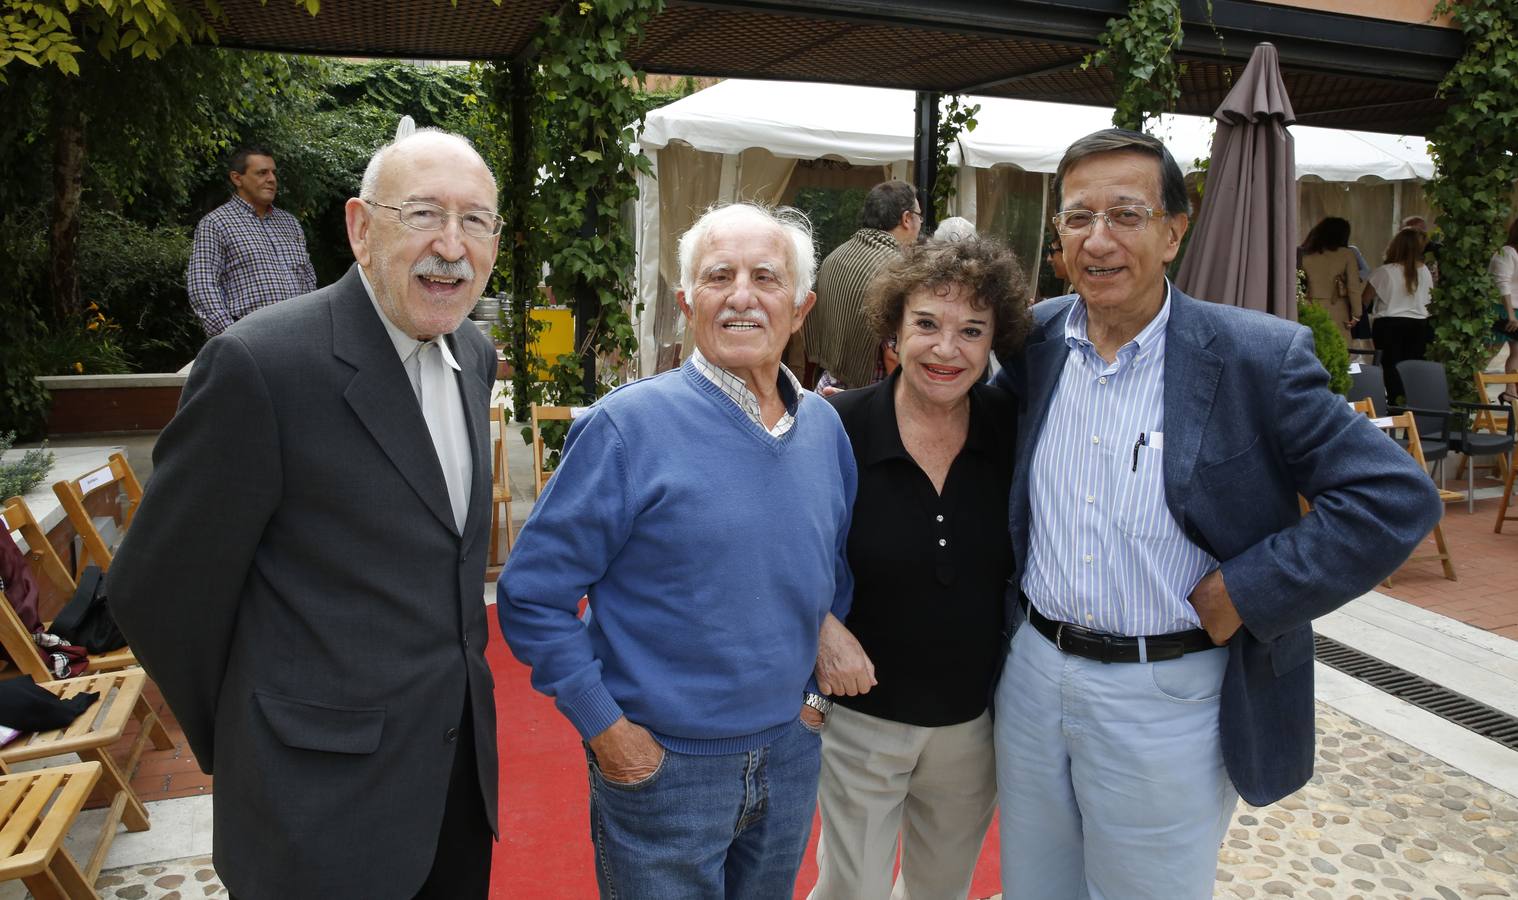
[557, 336]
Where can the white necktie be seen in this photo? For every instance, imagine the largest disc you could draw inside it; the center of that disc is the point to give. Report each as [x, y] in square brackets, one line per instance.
[443, 409]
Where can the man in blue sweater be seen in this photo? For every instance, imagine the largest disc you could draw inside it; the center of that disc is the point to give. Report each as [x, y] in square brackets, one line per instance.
[704, 511]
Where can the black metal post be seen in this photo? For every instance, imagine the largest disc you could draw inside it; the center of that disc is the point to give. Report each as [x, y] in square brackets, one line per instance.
[524, 268]
[925, 156]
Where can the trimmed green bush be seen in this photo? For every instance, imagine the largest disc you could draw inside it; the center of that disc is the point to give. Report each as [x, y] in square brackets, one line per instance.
[1332, 352]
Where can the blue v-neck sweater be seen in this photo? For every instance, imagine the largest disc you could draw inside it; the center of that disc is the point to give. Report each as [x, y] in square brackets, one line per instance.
[711, 552]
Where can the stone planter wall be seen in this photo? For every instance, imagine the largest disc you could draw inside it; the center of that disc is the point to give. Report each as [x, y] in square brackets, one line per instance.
[102, 404]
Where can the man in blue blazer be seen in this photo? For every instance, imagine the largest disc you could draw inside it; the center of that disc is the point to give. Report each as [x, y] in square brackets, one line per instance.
[1167, 577]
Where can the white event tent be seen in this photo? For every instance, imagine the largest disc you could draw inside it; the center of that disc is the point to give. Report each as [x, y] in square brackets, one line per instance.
[764, 141]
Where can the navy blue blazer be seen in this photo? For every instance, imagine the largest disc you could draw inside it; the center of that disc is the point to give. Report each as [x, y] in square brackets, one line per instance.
[1249, 424]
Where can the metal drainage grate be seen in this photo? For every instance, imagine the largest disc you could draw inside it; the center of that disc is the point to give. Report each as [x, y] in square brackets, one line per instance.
[1443, 702]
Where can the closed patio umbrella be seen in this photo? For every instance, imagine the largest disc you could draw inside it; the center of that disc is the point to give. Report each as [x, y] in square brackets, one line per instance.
[1243, 249]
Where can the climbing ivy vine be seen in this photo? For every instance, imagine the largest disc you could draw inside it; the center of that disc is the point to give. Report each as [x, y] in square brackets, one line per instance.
[955, 120]
[510, 129]
[1475, 150]
[1140, 49]
[587, 98]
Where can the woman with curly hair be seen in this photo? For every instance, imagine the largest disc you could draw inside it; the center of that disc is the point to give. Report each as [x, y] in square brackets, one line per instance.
[929, 548]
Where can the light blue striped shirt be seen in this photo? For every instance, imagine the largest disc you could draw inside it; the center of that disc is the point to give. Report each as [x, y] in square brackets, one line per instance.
[1104, 551]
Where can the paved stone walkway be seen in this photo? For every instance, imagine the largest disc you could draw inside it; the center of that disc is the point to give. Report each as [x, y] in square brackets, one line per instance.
[180, 879]
[1380, 819]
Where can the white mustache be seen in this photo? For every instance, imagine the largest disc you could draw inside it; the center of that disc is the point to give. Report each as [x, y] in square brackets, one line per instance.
[438, 267]
[757, 314]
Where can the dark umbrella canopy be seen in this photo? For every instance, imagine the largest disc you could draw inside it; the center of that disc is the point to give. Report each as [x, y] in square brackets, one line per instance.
[1243, 249]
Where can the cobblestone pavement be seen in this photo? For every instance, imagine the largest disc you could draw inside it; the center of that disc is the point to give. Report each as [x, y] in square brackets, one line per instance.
[180, 879]
[1379, 820]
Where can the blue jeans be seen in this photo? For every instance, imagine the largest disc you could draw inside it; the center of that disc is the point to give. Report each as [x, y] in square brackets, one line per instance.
[701, 827]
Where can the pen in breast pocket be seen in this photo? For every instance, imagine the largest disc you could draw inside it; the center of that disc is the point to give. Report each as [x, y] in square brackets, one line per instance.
[1142, 441]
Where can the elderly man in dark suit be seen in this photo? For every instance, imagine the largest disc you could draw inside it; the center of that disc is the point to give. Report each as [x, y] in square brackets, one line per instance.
[1168, 579]
[304, 577]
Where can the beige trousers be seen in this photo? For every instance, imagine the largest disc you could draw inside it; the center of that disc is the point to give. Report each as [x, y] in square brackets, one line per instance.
[933, 788]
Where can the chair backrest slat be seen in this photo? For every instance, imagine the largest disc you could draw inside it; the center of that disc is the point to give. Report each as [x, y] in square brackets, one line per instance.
[540, 414]
[115, 475]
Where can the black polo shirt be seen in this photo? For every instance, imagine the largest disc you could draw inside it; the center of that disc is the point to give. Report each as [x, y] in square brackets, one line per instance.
[930, 570]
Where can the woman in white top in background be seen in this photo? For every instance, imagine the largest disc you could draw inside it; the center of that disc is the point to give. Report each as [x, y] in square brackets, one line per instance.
[1504, 269]
[1400, 289]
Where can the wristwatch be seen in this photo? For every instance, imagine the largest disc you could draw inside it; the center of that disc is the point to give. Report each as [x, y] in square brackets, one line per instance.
[818, 702]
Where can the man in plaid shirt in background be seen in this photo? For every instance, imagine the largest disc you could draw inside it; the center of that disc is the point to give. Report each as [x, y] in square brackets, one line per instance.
[247, 254]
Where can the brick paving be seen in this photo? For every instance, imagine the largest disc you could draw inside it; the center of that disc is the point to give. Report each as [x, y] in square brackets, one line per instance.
[163, 774]
[1485, 594]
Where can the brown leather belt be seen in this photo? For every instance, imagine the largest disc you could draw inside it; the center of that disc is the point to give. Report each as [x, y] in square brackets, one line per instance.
[1115, 648]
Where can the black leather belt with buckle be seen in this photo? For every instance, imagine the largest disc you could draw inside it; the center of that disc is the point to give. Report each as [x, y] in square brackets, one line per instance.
[1114, 648]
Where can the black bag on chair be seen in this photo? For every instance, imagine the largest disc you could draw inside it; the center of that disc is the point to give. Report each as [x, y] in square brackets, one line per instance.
[87, 620]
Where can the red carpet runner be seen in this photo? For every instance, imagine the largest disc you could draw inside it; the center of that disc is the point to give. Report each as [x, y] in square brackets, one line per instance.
[545, 851]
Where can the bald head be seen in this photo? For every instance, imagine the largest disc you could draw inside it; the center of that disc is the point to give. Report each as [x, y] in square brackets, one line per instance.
[432, 144]
[421, 230]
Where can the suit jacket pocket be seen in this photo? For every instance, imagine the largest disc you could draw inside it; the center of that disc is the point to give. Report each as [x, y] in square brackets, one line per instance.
[1290, 650]
[307, 725]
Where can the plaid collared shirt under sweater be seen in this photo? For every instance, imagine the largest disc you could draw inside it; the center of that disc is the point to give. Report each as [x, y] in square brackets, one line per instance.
[240, 262]
[736, 390]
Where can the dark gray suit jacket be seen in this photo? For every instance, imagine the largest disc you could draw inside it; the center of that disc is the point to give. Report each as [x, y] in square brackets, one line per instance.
[1249, 425]
[295, 584]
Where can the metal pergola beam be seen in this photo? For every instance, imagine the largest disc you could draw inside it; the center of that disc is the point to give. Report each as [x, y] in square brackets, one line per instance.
[1323, 41]
[1000, 47]
[1063, 65]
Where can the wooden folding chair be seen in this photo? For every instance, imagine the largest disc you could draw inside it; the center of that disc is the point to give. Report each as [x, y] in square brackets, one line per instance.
[91, 736]
[500, 493]
[36, 811]
[17, 640]
[114, 479]
[1507, 499]
[1488, 420]
[1415, 447]
[540, 414]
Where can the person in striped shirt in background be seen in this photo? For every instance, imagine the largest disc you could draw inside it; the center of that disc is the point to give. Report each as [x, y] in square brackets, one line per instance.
[1167, 577]
[838, 341]
[247, 254]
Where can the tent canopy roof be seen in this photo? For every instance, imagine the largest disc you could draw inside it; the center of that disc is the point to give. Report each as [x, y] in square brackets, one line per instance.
[873, 126]
[1341, 70]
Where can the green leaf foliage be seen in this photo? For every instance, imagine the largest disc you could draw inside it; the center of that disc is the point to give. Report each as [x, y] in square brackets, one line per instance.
[587, 95]
[1140, 50]
[1475, 152]
[54, 34]
[1328, 344]
[955, 119]
[17, 476]
[157, 134]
